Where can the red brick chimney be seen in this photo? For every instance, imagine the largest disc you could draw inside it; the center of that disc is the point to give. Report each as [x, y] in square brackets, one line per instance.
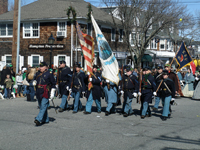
[3, 6]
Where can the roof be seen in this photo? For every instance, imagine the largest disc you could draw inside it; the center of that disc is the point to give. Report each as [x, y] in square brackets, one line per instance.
[55, 9]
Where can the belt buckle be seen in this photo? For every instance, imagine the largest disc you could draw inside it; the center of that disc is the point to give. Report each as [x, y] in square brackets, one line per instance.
[143, 88]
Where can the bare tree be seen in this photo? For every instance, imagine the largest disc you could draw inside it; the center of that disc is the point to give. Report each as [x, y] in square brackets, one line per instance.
[142, 20]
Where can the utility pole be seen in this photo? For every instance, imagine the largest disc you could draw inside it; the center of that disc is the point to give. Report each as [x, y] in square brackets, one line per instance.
[16, 36]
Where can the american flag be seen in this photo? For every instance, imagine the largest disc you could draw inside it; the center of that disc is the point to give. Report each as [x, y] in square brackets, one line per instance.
[87, 45]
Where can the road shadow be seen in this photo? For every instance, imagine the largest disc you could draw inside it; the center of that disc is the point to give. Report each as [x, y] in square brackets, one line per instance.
[177, 139]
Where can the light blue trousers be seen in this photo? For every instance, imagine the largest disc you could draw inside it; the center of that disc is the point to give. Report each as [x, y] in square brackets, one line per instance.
[43, 114]
[166, 105]
[64, 103]
[145, 109]
[77, 102]
[127, 105]
[157, 101]
[88, 105]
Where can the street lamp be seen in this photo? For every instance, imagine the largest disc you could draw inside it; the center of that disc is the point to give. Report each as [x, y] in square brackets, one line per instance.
[51, 41]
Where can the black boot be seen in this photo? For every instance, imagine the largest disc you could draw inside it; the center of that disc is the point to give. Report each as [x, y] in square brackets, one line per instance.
[28, 97]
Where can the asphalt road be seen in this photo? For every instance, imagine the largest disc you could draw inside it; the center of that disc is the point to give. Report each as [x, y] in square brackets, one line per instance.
[96, 131]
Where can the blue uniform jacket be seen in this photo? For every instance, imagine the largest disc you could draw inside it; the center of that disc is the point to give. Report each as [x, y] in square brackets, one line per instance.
[64, 79]
[130, 85]
[78, 82]
[96, 90]
[46, 78]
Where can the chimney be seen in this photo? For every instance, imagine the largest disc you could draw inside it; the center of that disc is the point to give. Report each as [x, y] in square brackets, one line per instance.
[3, 6]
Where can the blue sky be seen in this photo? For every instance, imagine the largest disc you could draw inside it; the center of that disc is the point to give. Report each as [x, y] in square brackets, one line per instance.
[192, 5]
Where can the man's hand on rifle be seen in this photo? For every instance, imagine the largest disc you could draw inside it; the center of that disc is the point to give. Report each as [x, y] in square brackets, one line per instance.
[52, 94]
[107, 81]
[122, 92]
[139, 93]
[70, 90]
[56, 86]
[154, 93]
[88, 73]
[90, 79]
[135, 94]
[67, 88]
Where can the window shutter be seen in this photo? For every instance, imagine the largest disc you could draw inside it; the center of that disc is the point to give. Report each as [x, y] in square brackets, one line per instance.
[55, 61]
[30, 60]
[41, 59]
[3, 58]
[21, 62]
[67, 61]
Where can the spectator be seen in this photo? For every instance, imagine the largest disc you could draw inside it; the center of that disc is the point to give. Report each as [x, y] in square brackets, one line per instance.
[8, 83]
[19, 84]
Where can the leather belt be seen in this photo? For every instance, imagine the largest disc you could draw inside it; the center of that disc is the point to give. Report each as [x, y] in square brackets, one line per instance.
[77, 86]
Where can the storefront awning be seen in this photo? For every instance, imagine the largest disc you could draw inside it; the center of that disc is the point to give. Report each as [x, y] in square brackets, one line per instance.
[146, 57]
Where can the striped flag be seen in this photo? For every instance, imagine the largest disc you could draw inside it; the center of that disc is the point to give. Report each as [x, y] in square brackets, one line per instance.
[87, 45]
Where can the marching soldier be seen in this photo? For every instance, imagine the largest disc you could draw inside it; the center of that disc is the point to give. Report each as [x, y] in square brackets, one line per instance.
[45, 90]
[110, 90]
[130, 86]
[78, 88]
[95, 92]
[167, 92]
[148, 90]
[64, 80]
[157, 77]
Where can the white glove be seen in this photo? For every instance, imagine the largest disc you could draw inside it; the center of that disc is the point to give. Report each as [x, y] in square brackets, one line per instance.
[154, 93]
[34, 83]
[119, 87]
[173, 99]
[135, 94]
[83, 92]
[107, 81]
[196, 79]
[70, 90]
[52, 94]
[90, 79]
[88, 73]
[67, 88]
[122, 92]
[139, 93]
[56, 86]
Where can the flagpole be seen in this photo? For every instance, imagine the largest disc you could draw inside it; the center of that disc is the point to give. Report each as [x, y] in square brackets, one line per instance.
[175, 56]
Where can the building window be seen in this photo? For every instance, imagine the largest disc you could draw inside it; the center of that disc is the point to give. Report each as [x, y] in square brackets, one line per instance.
[150, 23]
[31, 30]
[162, 44]
[153, 44]
[61, 58]
[132, 37]
[89, 31]
[113, 35]
[120, 35]
[36, 61]
[8, 59]
[61, 28]
[6, 30]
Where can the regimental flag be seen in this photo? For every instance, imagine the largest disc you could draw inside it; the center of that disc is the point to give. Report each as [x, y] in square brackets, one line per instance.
[87, 45]
[108, 61]
[182, 57]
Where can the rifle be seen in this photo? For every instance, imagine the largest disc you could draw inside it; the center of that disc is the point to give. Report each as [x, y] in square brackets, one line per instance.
[140, 87]
[57, 82]
[68, 98]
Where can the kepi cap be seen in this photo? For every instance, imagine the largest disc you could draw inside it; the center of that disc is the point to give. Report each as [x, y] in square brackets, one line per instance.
[42, 64]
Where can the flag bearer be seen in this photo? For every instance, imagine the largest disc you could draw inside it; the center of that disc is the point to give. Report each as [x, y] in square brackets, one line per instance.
[148, 90]
[110, 90]
[167, 92]
[130, 86]
[95, 92]
[64, 80]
